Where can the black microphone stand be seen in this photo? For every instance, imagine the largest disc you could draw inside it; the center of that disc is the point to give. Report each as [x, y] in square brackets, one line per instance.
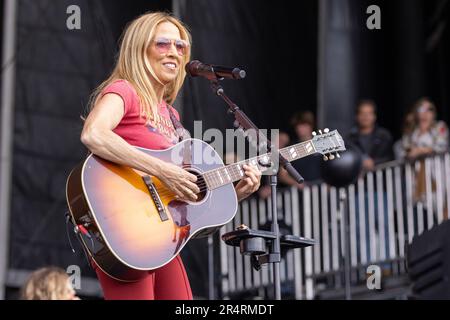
[241, 120]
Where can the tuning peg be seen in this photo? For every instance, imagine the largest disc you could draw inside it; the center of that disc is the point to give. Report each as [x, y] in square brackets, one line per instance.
[320, 131]
[325, 158]
[331, 157]
[314, 133]
[326, 130]
[338, 155]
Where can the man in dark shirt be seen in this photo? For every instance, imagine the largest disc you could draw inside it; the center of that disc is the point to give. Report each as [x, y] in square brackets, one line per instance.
[373, 141]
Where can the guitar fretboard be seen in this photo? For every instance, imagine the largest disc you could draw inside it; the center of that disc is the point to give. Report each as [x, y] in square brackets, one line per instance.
[234, 172]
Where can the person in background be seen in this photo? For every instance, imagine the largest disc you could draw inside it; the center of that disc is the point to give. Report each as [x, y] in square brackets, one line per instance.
[405, 141]
[373, 141]
[48, 283]
[429, 135]
[309, 167]
[375, 145]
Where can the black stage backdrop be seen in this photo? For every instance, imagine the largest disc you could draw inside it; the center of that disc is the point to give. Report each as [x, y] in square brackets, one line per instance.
[398, 64]
[57, 69]
[276, 44]
[274, 41]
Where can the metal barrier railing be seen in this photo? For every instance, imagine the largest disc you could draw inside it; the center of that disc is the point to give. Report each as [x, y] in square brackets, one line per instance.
[386, 208]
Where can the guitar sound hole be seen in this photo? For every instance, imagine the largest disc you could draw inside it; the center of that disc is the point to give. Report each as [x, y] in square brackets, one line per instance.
[201, 184]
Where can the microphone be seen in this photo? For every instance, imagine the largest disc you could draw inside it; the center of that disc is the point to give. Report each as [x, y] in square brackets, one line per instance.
[196, 68]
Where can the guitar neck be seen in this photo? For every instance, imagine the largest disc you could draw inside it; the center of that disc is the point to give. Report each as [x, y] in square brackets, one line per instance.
[234, 172]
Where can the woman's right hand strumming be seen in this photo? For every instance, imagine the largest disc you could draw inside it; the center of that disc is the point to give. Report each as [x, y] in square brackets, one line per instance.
[179, 181]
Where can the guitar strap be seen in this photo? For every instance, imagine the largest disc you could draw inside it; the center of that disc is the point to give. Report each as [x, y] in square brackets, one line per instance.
[181, 131]
[182, 135]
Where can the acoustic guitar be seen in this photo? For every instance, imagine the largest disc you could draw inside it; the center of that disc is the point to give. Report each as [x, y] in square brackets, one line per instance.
[136, 224]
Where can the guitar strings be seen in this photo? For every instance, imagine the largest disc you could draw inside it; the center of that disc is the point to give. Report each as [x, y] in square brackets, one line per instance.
[202, 185]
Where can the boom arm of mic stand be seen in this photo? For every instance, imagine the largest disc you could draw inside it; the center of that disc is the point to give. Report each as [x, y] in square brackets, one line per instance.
[246, 123]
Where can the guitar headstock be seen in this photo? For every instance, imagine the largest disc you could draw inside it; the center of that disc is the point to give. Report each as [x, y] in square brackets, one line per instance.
[329, 143]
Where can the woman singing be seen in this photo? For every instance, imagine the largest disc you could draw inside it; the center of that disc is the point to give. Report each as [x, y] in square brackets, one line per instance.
[133, 108]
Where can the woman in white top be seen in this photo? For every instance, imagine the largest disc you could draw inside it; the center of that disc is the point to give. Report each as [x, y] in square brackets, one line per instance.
[429, 135]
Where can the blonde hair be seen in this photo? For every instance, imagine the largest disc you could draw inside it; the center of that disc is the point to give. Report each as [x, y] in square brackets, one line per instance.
[49, 283]
[133, 65]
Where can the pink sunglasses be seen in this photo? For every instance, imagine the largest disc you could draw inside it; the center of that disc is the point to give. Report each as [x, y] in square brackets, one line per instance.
[163, 45]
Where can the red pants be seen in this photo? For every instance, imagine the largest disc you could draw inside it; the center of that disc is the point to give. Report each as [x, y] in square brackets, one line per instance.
[169, 282]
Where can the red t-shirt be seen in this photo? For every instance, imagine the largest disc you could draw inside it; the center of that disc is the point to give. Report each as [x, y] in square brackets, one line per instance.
[133, 129]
